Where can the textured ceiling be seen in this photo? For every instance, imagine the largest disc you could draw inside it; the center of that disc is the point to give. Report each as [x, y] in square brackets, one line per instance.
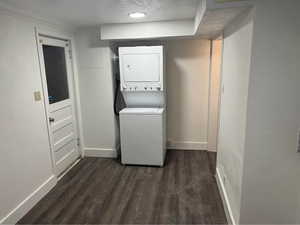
[214, 21]
[95, 12]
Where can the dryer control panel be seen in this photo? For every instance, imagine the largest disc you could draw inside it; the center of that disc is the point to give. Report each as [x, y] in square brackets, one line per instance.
[141, 68]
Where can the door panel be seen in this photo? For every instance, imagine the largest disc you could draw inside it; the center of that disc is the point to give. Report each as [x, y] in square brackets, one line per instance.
[64, 150]
[58, 95]
[62, 132]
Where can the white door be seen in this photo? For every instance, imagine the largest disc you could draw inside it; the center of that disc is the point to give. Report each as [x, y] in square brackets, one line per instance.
[57, 82]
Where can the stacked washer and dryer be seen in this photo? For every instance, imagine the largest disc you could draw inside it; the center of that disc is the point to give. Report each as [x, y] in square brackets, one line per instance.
[143, 122]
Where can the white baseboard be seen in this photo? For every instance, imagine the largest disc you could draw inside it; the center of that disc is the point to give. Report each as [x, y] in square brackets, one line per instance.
[225, 199]
[211, 149]
[187, 145]
[24, 207]
[68, 170]
[100, 152]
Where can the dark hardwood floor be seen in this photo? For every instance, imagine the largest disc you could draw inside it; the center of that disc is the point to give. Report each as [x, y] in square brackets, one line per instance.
[102, 191]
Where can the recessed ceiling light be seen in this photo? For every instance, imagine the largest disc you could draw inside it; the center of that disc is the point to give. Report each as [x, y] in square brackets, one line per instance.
[137, 15]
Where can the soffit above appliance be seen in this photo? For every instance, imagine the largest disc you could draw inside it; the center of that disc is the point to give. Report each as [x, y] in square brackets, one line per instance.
[210, 19]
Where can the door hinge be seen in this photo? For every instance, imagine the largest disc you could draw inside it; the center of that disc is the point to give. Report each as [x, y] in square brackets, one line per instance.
[78, 142]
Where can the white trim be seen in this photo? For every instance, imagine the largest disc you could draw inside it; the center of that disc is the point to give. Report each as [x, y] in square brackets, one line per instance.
[54, 33]
[209, 94]
[17, 213]
[225, 199]
[100, 152]
[45, 97]
[67, 171]
[77, 96]
[187, 145]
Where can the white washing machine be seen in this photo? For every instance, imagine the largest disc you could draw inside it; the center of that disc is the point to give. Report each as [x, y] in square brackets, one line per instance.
[143, 138]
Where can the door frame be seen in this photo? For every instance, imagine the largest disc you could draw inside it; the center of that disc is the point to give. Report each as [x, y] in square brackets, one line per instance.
[74, 88]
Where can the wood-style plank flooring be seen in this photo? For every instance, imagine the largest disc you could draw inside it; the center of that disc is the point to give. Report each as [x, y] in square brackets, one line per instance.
[102, 191]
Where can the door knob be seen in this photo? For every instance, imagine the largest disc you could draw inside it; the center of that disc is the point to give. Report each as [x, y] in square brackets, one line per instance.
[51, 120]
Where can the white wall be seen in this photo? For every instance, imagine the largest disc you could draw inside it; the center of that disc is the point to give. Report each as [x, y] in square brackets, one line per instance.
[96, 93]
[188, 64]
[271, 181]
[25, 163]
[235, 79]
[270, 190]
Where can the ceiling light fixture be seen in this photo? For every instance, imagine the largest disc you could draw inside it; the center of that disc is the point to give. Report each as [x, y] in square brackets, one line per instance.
[137, 15]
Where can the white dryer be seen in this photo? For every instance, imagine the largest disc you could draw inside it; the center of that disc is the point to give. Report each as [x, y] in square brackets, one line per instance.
[143, 136]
